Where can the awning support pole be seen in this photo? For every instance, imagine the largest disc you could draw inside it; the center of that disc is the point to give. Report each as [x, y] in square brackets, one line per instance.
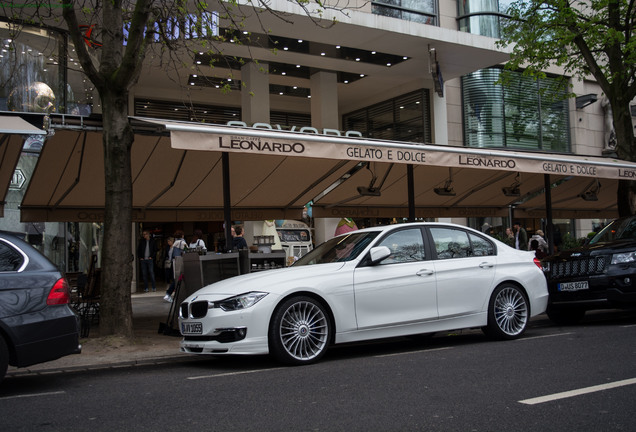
[227, 210]
[548, 213]
[411, 192]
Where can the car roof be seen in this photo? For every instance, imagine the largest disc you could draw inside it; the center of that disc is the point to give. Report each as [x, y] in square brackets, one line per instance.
[382, 228]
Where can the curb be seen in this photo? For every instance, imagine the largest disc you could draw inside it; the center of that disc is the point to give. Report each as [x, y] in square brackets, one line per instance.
[24, 372]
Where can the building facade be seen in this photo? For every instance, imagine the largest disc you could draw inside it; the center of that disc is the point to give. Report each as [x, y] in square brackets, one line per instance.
[399, 70]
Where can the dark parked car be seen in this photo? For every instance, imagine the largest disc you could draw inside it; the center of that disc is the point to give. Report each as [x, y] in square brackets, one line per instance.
[36, 321]
[599, 275]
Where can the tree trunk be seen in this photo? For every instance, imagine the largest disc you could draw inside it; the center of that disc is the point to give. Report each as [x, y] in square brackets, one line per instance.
[117, 257]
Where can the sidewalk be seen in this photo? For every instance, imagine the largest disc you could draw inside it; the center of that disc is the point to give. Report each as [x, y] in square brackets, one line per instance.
[148, 346]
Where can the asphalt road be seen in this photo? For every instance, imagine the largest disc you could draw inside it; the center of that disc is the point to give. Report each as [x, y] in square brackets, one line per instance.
[579, 378]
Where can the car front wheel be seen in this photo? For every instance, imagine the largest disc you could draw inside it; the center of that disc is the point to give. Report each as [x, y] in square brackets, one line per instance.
[300, 331]
[508, 313]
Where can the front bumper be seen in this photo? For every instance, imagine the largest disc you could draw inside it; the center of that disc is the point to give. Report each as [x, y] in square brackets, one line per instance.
[616, 287]
[215, 331]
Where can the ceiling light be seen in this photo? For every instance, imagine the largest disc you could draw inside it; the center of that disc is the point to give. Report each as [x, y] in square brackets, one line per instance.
[511, 192]
[447, 190]
[590, 193]
[513, 189]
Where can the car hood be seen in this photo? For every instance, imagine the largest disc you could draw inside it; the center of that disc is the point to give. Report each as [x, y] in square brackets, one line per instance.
[269, 281]
[603, 248]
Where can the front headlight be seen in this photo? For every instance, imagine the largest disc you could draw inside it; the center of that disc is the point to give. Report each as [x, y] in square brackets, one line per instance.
[241, 301]
[624, 258]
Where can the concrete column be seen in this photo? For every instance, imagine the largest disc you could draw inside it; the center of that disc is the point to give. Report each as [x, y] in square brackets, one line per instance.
[255, 93]
[324, 100]
[440, 119]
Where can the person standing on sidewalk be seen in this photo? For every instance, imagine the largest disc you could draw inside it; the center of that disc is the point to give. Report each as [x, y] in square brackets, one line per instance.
[146, 252]
[178, 247]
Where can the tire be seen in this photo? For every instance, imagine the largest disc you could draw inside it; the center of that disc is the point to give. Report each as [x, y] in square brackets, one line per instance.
[4, 358]
[565, 317]
[508, 313]
[300, 331]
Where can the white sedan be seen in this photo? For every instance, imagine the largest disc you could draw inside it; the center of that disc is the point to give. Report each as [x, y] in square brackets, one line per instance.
[387, 281]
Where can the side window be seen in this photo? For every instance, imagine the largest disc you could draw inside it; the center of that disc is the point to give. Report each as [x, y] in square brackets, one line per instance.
[406, 246]
[451, 243]
[10, 259]
[481, 246]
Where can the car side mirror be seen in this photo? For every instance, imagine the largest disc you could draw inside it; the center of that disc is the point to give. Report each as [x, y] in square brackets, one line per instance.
[379, 253]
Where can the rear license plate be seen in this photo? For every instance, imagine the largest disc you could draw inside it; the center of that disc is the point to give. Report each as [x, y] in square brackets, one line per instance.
[574, 286]
[191, 328]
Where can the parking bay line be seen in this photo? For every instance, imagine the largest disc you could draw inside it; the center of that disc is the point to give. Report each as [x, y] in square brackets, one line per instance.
[578, 392]
[412, 352]
[221, 375]
[32, 395]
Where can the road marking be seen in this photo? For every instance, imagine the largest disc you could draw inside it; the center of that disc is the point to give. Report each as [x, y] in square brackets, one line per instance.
[32, 395]
[578, 392]
[545, 336]
[232, 373]
[412, 352]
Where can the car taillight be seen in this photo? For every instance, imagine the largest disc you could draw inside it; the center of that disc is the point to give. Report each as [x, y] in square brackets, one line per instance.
[538, 263]
[59, 294]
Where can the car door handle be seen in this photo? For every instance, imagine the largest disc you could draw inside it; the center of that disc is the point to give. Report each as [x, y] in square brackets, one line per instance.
[486, 265]
[425, 272]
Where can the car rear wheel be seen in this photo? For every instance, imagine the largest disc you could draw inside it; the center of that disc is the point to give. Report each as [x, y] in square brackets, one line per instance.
[508, 313]
[300, 331]
[4, 358]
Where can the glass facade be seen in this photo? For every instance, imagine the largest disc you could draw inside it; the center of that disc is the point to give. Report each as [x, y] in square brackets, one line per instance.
[39, 74]
[421, 11]
[527, 113]
[481, 16]
[405, 118]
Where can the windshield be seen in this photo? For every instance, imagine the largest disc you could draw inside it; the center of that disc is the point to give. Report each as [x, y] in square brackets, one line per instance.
[338, 249]
[620, 229]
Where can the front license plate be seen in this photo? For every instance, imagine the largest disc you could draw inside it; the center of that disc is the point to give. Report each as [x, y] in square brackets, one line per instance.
[191, 328]
[574, 286]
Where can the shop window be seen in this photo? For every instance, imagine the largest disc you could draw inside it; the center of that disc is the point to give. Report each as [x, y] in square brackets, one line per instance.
[421, 11]
[39, 74]
[527, 113]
